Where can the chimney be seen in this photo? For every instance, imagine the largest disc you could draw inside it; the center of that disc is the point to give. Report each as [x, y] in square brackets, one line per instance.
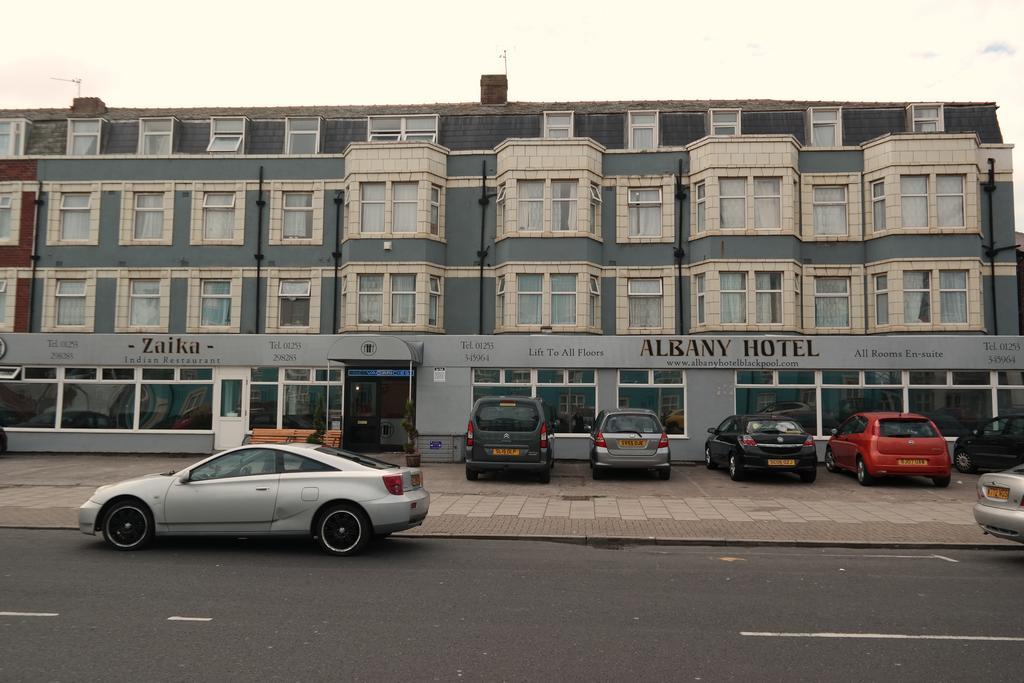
[494, 89]
[88, 106]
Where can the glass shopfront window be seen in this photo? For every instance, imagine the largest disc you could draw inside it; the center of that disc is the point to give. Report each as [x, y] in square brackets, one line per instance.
[1011, 392]
[295, 398]
[954, 408]
[779, 392]
[662, 391]
[571, 393]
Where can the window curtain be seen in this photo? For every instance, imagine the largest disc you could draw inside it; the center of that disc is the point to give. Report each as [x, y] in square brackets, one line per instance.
[767, 207]
[949, 189]
[216, 311]
[830, 211]
[563, 205]
[824, 135]
[404, 206]
[769, 297]
[734, 303]
[833, 309]
[145, 312]
[71, 311]
[914, 201]
[643, 138]
[953, 296]
[219, 224]
[563, 299]
[371, 299]
[917, 297]
[732, 202]
[645, 311]
[74, 225]
[531, 205]
[403, 299]
[149, 222]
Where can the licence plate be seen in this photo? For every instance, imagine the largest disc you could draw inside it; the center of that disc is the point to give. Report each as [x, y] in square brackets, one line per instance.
[417, 479]
[632, 443]
[506, 451]
[998, 493]
[781, 462]
[912, 461]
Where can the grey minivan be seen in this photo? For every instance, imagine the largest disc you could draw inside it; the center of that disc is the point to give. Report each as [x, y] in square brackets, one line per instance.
[631, 438]
[509, 433]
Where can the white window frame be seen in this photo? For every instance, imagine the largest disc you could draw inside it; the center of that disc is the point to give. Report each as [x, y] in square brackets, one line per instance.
[700, 286]
[435, 210]
[305, 293]
[306, 211]
[64, 211]
[401, 133]
[406, 293]
[594, 301]
[924, 195]
[219, 137]
[918, 120]
[775, 199]
[553, 130]
[537, 295]
[568, 204]
[836, 123]
[363, 202]
[700, 193]
[6, 216]
[833, 295]
[659, 295]
[532, 200]
[137, 298]
[499, 301]
[207, 207]
[433, 300]
[635, 206]
[728, 128]
[499, 208]
[565, 293]
[59, 297]
[827, 203]
[406, 204]
[290, 134]
[880, 282]
[944, 292]
[740, 292]
[722, 197]
[18, 135]
[204, 296]
[595, 208]
[145, 135]
[960, 196]
[878, 205]
[3, 303]
[142, 210]
[378, 293]
[926, 290]
[634, 127]
[772, 293]
[73, 135]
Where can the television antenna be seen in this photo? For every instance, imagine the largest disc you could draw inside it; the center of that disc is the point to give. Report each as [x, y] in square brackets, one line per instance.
[76, 81]
[504, 57]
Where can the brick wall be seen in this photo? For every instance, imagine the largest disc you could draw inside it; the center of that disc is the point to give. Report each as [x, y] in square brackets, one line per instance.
[19, 256]
[21, 169]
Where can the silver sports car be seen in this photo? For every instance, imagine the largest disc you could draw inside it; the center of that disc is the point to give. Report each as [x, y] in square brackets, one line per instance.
[341, 499]
[1000, 507]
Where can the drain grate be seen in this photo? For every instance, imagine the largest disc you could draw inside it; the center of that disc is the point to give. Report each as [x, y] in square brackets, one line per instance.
[579, 497]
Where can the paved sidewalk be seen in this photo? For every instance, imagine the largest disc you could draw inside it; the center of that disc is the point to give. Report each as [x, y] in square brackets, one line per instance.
[695, 506]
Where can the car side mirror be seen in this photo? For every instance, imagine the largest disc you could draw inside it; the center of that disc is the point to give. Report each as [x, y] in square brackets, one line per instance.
[713, 430]
[184, 477]
[833, 431]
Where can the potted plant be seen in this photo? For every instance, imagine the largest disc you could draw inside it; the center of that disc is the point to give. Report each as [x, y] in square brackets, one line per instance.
[412, 452]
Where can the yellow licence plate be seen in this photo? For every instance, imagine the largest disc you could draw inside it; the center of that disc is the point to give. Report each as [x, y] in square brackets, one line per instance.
[913, 461]
[506, 451]
[781, 462]
[632, 443]
[417, 479]
[998, 493]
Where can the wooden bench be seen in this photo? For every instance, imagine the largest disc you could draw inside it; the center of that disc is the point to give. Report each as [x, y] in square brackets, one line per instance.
[261, 435]
[332, 438]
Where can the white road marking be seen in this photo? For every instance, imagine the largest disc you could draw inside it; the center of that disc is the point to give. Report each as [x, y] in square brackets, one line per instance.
[189, 618]
[894, 557]
[29, 614]
[877, 636]
[947, 559]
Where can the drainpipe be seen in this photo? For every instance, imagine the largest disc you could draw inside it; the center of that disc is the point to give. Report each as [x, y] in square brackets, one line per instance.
[678, 252]
[34, 257]
[259, 246]
[989, 186]
[485, 199]
[339, 199]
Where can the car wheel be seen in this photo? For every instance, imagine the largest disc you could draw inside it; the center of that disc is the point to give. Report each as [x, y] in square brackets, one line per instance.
[665, 473]
[830, 461]
[545, 475]
[964, 462]
[736, 471]
[597, 473]
[343, 529]
[128, 525]
[472, 475]
[808, 476]
[941, 482]
[863, 476]
[708, 462]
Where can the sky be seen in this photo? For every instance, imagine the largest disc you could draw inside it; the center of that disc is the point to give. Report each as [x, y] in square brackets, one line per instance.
[227, 53]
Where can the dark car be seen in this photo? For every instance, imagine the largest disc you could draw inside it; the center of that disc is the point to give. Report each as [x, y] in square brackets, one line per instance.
[996, 445]
[509, 433]
[745, 443]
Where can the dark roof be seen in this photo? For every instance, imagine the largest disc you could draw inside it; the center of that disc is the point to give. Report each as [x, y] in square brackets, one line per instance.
[460, 109]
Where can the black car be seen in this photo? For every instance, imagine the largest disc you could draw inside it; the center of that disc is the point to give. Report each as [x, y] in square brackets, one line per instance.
[509, 433]
[745, 443]
[996, 445]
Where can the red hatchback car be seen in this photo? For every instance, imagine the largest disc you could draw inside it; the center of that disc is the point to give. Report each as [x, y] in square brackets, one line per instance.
[888, 444]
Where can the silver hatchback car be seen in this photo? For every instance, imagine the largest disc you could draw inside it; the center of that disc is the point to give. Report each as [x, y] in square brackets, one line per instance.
[629, 438]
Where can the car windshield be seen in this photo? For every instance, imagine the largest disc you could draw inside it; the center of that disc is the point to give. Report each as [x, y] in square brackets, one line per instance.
[512, 416]
[906, 428]
[365, 460]
[642, 424]
[773, 427]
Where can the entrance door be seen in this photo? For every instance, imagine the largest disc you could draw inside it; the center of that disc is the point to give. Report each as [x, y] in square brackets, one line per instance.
[362, 416]
[375, 408]
[231, 398]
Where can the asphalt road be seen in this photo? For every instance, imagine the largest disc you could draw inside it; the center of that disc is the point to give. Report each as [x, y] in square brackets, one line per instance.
[502, 610]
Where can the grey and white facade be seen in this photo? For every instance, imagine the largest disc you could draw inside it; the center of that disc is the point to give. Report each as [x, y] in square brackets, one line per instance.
[172, 278]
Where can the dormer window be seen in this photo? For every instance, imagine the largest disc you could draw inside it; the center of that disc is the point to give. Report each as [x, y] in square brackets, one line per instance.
[724, 121]
[226, 135]
[826, 125]
[12, 137]
[558, 124]
[156, 136]
[83, 137]
[402, 128]
[643, 129]
[303, 135]
[926, 118]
